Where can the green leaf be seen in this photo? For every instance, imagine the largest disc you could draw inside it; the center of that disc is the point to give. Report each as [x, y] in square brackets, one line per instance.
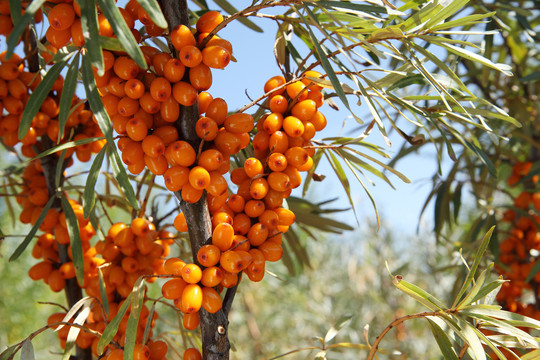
[449, 10]
[75, 242]
[154, 10]
[38, 96]
[466, 20]
[19, 27]
[511, 318]
[27, 350]
[15, 9]
[22, 246]
[59, 169]
[66, 98]
[103, 293]
[534, 270]
[89, 195]
[74, 331]
[468, 334]
[67, 145]
[533, 355]
[352, 6]
[333, 331]
[7, 353]
[121, 176]
[471, 295]
[133, 320]
[418, 294]
[478, 257]
[90, 29]
[94, 99]
[149, 322]
[504, 68]
[231, 10]
[531, 77]
[340, 173]
[122, 31]
[482, 156]
[112, 327]
[443, 341]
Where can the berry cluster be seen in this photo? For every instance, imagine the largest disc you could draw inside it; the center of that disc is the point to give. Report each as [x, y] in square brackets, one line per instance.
[6, 23]
[517, 251]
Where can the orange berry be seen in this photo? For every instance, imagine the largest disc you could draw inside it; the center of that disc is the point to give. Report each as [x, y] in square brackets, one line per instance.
[222, 236]
[253, 167]
[199, 177]
[254, 208]
[257, 234]
[278, 142]
[158, 349]
[273, 83]
[200, 77]
[136, 129]
[61, 16]
[227, 142]
[190, 56]
[211, 300]
[156, 165]
[173, 288]
[316, 96]
[191, 298]
[208, 255]
[208, 21]
[206, 128]
[297, 90]
[191, 273]
[312, 85]
[191, 321]
[218, 185]
[211, 276]
[215, 40]
[273, 123]
[217, 110]
[210, 159]
[40, 270]
[259, 188]
[231, 261]
[239, 123]
[279, 181]
[176, 177]
[58, 38]
[278, 104]
[182, 36]
[192, 354]
[229, 279]
[56, 281]
[160, 89]
[204, 100]
[125, 68]
[134, 88]
[190, 194]
[319, 121]
[216, 57]
[183, 153]
[174, 70]
[304, 110]
[184, 93]
[272, 251]
[180, 223]
[293, 126]
[105, 28]
[153, 146]
[286, 217]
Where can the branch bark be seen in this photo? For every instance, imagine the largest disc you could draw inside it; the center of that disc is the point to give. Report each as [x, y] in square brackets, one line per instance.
[215, 341]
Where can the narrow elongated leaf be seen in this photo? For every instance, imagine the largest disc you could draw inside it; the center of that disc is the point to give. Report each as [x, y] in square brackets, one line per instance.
[154, 10]
[22, 246]
[133, 320]
[67, 145]
[446, 12]
[66, 98]
[352, 6]
[15, 9]
[333, 331]
[74, 309]
[504, 68]
[468, 334]
[112, 327]
[75, 239]
[27, 350]
[103, 293]
[74, 332]
[418, 294]
[59, 169]
[96, 105]
[534, 270]
[471, 295]
[38, 96]
[533, 355]
[495, 312]
[466, 20]
[122, 31]
[479, 255]
[121, 176]
[443, 341]
[90, 30]
[485, 340]
[89, 195]
[340, 173]
[504, 327]
[149, 322]
[231, 10]
[7, 353]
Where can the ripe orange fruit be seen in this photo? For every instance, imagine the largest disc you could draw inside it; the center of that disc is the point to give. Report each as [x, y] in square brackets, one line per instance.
[222, 236]
[200, 76]
[211, 300]
[217, 110]
[191, 321]
[208, 255]
[61, 16]
[191, 273]
[211, 276]
[173, 288]
[190, 56]
[199, 177]
[182, 36]
[192, 297]
[192, 354]
[239, 123]
[184, 93]
[216, 57]
[208, 21]
[175, 178]
[206, 128]
[273, 83]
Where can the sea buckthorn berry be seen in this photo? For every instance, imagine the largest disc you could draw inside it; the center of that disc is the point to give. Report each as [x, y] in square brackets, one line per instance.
[218, 184]
[191, 298]
[255, 270]
[130, 265]
[253, 167]
[61, 16]
[312, 85]
[200, 77]
[297, 90]
[272, 251]
[307, 165]
[217, 110]
[141, 352]
[159, 62]
[227, 142]
[294, 176]
[170, 110]
[278, 104]
[273, 123]
[238, 176]
[293, 126]
[211, 300]
[183, 153]
[309, 131]
[273, 83]
[176, 177]
[304, 110]
[211, 276]
[215, 40]
[157, 165]
[286, 217]
[126, 68]
[190, 56]
[269, 218]
[254, 208]
[208, 21]
[158, 349]
[279, 181]
[210, 159]
[173, 288]
[222, 236]
[190, 194]
[182, 36]
[180, 223]
[236, 203]
[231, 261]
[174, 266]
[278, 142]
[191, 321]
[208, 255]
[241, 224]
[206, 128]
[40, 270]
[149, 104]
[215, 203]
[277, 162]
[216, 57]
[136, 129]
[160, 89]
[174, 70]
[104, 27]
[258, 188]
[204, 99]
[167, 133]
[257, 234]
[296, 156]
[199, 177]
[140, 227]
[127, 106]
[184, 93]
[316, 96]
[58, 38]
[239, 123]
[153, 146]
[191, 273]
[319, 121]
[192, 354]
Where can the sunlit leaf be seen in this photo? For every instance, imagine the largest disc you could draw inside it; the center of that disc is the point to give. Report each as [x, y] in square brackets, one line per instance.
[89, 195]
[90, 30]
[112, 327]
[75, 239]
[66, 98]
[133, 320]
[334, 330]
[443, 341]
